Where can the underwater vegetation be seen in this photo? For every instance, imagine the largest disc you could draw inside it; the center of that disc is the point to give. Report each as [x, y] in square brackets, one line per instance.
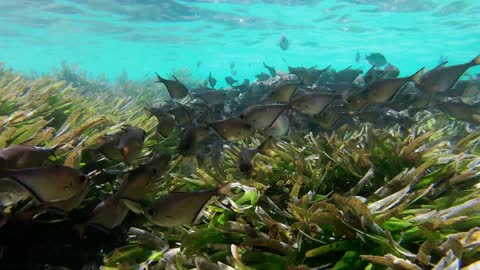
[291, 172]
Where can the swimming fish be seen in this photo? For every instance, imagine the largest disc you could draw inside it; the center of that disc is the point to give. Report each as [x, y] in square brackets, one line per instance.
[190, 137]
[166, 125]
[124, 145]
[283, 42]
[232, 128]
[376, 59]
[48, 184]
[373, 74]
[271, 69]
[177, 208]
[263, 116]
[357, 57]
[461, 110]
[212, 97]
[312, 103]
[347, 75]
[230, 80]
[23, 156]
[158, 163]
[175, 88]
[247, 154]
[279, 128]
[108, 214]
[443, 78]
[211, 80]
[182, 114]
[283, 92]
[262, 76]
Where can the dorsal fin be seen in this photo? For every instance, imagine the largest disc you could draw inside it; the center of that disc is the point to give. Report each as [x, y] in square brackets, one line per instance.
[441, 65]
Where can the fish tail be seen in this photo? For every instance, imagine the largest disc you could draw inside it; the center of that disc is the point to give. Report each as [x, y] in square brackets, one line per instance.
[416, 77]
[159, 78]
[475, 61]
[225, 190]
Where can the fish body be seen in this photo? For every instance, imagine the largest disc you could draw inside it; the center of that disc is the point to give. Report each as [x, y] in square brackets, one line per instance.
[190, 137]
[262, 76]
[283, 43]
[232, 129]
[175, 88]
[125, 145]
[376, 59]
[271, 69]
[230, 81]
[443, 78]
[48, 184]
[109, 213]
[212, 97]
[313, 103]
[23, 156]
[211, 80]
[279, 128]
[263, 116]
[347, 75]
[282, 92]
[166, 125]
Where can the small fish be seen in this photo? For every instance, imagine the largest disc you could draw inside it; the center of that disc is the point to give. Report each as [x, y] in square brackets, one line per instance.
[279, 128]
[216, 153]
[313, 103]
[283, 42]
[190, 137]
[347, 75]
[373, 74]
[230, 81]
[124, 145]
[376, 59]
[158, 163]
[263, 116]
[108, 214]
[211, 80]
[247, 154]
[271, 69]
[166, 125]
[177, 208]
[23, 156]
[182, 114]
[212, 97]
[232, 129]
[175, 88]
[391, 72]
[262, 76]
[48, 184]
[442, 78]
[282, 92]
[461, 110]
[11, 192]
[357, 57]
[243, 87]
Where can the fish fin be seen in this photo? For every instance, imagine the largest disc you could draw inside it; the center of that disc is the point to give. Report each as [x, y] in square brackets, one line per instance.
[441, 65]
[417, 75]
[225, 190]
[148, 112]
[475, 61]
[159, 79]
[124, 152]
[133, 206]
[287, 107]
[176, 78]
[349, 67]
[28, 188]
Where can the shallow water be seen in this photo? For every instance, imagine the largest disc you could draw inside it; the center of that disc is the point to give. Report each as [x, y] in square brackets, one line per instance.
[107, 37]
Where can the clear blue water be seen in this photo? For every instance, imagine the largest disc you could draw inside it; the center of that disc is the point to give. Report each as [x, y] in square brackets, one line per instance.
[109, 36]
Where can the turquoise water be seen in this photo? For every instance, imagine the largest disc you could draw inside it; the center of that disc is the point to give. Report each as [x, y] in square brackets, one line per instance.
[109, 36]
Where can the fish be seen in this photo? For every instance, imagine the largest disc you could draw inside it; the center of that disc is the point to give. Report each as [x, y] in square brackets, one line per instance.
[442, 78]
[230, 81]
[216, 153]
[11, 192]
[48, 184]
[308, 76]
[271, 69]
[175, 88]
[211, 80]
[262, 76]
[177, 208]
[376, 59]
[212, 97]
[242, 87]
[232, 128]
[373, 74]
[391, 72]
[247, 154]
[190, 137]
[108, 214]
[357, 57]
[166, 125]
[461, 111]
[347, 75]
[312, 103]
[281, 93]
[124, 145]
[283, 43]
[182, 114]
[23, 156]
[263, 116]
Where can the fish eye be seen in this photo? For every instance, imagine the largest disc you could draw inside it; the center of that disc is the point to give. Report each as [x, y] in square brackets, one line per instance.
[151, 212]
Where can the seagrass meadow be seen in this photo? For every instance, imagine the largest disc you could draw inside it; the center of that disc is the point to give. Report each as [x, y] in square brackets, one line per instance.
[356, 197]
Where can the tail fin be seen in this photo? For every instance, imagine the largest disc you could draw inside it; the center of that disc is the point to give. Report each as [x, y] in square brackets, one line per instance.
[160, 79]
[416, 77]
[225, 190]
[475, 61]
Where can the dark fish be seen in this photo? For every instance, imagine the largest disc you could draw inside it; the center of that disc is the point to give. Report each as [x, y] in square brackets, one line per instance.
[461, 110]
[391, 72]
[175, 88]
[230, 80]
[282, 92]
[347, 75]
[357, 57]
[262, 76]
[212, 97]
[216, 153]
[177, 208]
[373, 74]
[182, 114]
[109, 213]
[190, 137]
[247, 154]
[244, 86]
[124, 145]
[212, 81]
[22, 156]
[313, 102]
[284, 43]
[442, 78]
[48, 184]
[232, 129]
[166, 125]
[263, 116]
[376, 59]
[271, 69]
